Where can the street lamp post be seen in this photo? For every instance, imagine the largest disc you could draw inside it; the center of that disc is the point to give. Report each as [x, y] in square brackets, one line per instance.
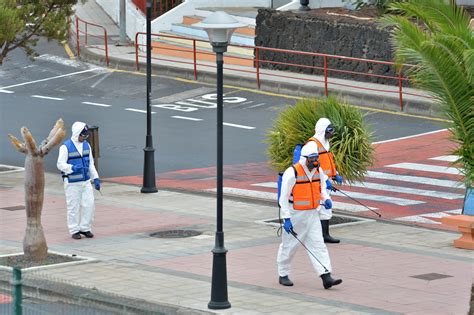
[149, 185]
[304, 5]
[219, 27]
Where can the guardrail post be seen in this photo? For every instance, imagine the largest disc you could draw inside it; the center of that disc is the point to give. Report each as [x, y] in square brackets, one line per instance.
[85, 41]
[17, 291]
[400, 88]
[194, 57]
[77, 38]
[257, 65]
[136, 52]
[326, 76]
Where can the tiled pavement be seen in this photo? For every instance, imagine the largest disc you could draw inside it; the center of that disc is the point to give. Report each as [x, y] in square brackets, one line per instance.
[377, 261]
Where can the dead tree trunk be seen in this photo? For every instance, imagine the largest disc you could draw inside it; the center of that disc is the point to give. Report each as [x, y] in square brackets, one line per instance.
[34, 243]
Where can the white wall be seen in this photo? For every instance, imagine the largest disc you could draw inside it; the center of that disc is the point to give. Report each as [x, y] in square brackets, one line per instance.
[314, 4]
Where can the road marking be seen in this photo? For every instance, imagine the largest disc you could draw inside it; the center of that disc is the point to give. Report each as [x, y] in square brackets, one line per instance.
[269, 196]
[60, 60]
[237, 126]
[380, 198]
[415, 179]
[96, 104]
[6, 91]
[101, 79]
[412, 136]
[183, 95]
[407, 190]
[427, 168]
[48, 97]
[186, 118]
[424, 218]
[256, 105]
[447, 158]
[138, 110]
[68, 50]
[51, 78]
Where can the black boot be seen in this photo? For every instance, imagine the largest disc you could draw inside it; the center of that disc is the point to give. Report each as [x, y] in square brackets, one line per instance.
[285, 281]
[329, 281]
[327, 238]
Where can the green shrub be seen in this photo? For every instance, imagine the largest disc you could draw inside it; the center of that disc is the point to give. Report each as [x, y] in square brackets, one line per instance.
[351, 144]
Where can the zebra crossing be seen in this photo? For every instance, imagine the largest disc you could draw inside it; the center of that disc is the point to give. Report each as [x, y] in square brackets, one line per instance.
[421, 192]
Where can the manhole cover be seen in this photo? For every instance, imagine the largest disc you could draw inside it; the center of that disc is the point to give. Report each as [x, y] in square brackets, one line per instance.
[14, 208]
[431, 276]
[175, 234]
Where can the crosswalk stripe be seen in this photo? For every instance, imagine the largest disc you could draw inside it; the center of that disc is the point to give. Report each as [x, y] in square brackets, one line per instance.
[407, 190]
[447, 158]
[427, 168]
[424, 218]
[415, 179]
[273, 197]
[380, 198]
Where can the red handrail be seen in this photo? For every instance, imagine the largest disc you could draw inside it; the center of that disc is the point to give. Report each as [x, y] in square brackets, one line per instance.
[257, 62]
[86, 34]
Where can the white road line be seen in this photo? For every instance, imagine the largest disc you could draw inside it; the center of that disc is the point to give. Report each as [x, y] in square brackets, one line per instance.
[407, 190]
[427, 168]
[273, 197]
[415, 179]
[51, 78]
[237, 126]
[101, 79]
[96, 104]
[186, 118]
[256, 105]
[408, 137]
[138, 110]
[6, 91]
[380, 198]
[447, 158]
[48, 97]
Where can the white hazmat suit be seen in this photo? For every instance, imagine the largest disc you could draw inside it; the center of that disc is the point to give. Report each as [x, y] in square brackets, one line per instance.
[305, 222]
[79, 195]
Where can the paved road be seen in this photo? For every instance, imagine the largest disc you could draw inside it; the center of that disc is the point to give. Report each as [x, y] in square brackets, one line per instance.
[36, 93]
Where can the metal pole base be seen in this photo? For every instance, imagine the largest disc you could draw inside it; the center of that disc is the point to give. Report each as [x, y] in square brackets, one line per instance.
[304, 8]
[219, 299]
[149, 185]
[218, 305]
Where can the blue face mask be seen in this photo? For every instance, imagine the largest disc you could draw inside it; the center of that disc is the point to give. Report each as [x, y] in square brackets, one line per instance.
[329, 132]
[85, 132]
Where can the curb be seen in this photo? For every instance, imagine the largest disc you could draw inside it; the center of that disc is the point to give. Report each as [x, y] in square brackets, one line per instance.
[360, 98]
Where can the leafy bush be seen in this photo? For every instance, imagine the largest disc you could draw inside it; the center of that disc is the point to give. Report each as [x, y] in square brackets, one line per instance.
[351, 144]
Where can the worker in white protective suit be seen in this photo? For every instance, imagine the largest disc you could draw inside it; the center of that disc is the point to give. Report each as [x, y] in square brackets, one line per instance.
[76, 163]
[303, 188]
[324, 130]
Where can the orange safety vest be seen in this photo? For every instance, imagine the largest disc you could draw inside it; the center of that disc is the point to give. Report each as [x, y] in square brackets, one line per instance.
[305, 194]
[326, 159]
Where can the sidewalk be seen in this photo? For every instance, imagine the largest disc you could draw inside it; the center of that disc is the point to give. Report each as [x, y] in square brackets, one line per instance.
[123, 57]
[386, 268]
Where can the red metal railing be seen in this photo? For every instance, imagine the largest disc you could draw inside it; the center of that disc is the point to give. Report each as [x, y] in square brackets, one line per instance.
[193, 54]
[159, 6]
[87, 37]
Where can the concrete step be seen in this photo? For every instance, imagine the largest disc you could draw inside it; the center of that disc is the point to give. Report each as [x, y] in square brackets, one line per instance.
[190, 20]
[195, 32]
[242, 14]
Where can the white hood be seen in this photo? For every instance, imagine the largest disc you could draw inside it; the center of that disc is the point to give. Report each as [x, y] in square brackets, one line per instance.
[306, 151]
[76, 129]
[320, 131]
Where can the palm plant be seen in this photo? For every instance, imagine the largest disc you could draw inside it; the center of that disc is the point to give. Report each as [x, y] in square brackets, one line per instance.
[435, 36]
[351, 146]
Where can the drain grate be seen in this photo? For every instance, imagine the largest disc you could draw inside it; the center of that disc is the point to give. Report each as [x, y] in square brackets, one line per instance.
[14, 208]
[175, 234]
[431, 276]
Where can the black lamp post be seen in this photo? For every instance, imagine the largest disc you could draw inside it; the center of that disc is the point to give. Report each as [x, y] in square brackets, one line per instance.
[149, 185]
[219, 27]
[304, 5]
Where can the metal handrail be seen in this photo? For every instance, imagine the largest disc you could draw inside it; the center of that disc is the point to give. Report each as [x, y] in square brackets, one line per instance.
[86, 33]
[257, 62]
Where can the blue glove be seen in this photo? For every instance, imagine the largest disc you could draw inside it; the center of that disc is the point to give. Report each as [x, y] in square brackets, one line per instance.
[338, 179]
[328, 204]
[328, 184]
[288, 226]
[77, 168]
[97, 183]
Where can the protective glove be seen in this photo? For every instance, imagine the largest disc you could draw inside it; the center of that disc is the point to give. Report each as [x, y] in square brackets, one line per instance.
[328, 184]
[77, 168]
[288, 226]
[97, 183]
[338, 178]
[328, 204]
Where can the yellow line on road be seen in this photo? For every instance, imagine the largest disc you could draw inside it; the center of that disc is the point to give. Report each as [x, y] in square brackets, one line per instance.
[69, 51]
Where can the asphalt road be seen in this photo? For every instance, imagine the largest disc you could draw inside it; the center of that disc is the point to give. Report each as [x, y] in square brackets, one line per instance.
[36, 93]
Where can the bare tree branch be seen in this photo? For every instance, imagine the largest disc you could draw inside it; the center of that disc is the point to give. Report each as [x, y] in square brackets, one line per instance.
[30, 143]
[20, 146]
[55, 137]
